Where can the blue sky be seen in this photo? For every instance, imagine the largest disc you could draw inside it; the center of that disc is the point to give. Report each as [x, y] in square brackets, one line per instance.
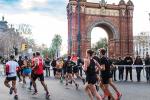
[48, 17]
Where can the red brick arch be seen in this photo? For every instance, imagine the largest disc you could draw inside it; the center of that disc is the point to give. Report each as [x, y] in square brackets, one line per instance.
[116, 20]
[111, 29]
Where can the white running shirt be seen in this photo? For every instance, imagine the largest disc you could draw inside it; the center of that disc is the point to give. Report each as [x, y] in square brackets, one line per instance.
[12, 68]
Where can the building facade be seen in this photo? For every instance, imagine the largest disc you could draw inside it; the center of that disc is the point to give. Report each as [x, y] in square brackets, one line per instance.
[142, 44]
[9, 39]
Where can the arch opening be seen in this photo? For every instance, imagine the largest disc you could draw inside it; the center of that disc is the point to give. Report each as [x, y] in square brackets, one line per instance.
[103, 34]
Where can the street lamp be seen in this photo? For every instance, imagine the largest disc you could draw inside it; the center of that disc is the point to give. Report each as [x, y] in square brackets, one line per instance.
[79, 34]
[70, 15]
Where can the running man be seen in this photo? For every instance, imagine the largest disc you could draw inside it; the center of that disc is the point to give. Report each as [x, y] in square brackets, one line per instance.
[26, 70]
[69, 69]
[59, 65]
[19, 71]
[39, 73]
[11, 76]
[76, 73]
[32, 72]
[91, 78]
[106, 77]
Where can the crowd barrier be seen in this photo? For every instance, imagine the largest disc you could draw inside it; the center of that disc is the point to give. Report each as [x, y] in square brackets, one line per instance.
[133, 66]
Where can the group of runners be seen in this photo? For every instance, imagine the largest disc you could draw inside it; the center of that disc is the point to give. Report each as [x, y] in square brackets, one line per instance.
[68, 70]
[97, 71]
[31, 68]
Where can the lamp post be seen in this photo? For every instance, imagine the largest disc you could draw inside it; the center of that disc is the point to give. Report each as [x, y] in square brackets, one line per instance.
[79, 34]
[70, 14]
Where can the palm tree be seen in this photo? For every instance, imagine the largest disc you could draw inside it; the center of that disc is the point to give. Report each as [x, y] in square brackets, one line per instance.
[56, 44]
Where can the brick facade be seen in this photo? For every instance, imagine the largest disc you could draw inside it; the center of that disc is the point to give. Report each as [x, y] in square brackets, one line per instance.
[115, 19]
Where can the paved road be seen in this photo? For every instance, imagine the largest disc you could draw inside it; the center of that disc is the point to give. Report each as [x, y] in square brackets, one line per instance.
[130, 90]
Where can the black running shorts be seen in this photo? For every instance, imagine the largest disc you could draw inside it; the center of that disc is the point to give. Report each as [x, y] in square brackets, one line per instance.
[11, 78]
[75, 69]
[91, 79]
[59, 70]
[40, 76]
[69, 70]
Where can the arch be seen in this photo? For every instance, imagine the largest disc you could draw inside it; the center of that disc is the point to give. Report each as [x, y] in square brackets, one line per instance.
[118, 25]
[107, 26]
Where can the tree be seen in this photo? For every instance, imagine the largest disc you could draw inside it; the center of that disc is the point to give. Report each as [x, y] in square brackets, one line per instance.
[45, 53]
[48, 52]
[54, 49]
[102, 43]
[51, 52]
[56, 44]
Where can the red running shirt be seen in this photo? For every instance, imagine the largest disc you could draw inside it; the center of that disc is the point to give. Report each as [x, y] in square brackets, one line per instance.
[40, 65]
[32, 61]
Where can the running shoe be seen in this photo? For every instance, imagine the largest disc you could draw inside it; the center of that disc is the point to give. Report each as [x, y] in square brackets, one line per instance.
[11, 91]
[20, 80]
[61, 80]
[118, 97]
[83, 80]
[16, 97]
[35, 93]
[70, 82]
[30, 88]
[104, 97]
[47, 95]
[77, 86]
[66, 84]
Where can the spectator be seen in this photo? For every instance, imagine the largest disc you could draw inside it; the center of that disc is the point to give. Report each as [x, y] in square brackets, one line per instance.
[113, 61]
[120, 68]
[147, 67]
[53, 64]
[138, 61]
[128, 61]
[47, 66]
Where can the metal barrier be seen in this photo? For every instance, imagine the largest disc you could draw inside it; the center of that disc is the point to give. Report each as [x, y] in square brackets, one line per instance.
[133, 66]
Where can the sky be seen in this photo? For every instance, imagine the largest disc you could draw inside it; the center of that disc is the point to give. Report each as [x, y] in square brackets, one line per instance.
[48, 17]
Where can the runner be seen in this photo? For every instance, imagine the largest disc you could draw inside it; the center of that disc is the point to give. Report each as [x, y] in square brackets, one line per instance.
[106, 77]
[90, 69]
[95, 57]
[32, 73]
[26, 70]
[19, 71]
[76, 73]
[53, 64]
[59, 66]
[10, 70]
[39, 73]
[69, 76]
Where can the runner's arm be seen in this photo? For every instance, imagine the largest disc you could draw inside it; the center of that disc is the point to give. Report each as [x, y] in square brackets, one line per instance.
[85, 65]
[98, 65]
[24, 64]
[35, 66]
[103, 67]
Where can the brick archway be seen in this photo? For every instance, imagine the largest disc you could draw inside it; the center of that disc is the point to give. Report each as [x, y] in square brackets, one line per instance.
[116, 20]
[112, 32]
